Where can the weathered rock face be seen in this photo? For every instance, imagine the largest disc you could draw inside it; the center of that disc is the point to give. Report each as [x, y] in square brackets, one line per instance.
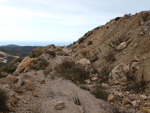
[26, 62]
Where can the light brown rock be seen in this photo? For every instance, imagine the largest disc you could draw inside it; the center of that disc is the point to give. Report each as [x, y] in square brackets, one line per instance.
[122, 45]
[88, 81]
[26, 62]
[59, 105]
[111, 98]
[14, 100]
[126, 101]
[17, 89]
[84, 61]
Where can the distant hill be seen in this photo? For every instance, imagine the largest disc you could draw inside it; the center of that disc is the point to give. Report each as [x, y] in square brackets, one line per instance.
[10, 45]
[17, 50]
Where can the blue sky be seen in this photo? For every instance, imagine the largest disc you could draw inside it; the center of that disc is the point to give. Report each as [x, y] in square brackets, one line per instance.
[59, 21]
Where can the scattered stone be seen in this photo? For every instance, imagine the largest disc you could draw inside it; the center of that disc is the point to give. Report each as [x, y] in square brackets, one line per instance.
[122, 45]
[126, 101]
[59, 105]
[84, 61]
[124, 79]
[120, 94]
[43, 81]
[94, 78]
[144, 97]
[88, 81]
[111, 98]
[14, 100]
[35, 94]
[134, 104]
[30, 86]
[17, 89]
[104, 85]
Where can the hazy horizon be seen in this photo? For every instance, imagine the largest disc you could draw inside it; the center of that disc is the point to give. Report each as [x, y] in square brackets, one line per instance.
[4, 43]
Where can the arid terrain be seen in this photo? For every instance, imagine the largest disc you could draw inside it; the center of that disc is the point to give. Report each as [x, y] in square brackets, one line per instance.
[105, 71]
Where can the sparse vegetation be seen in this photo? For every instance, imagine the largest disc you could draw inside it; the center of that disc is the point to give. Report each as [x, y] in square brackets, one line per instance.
[90, 43]
[22, 83]
[41, 64]
[76, 99]
[100, 93]
[85, 88]
[51, 53]
[70, 70]
[104, 73]
[136, 86]
[3, 101]
[94, 58]
[110, 57]
[35, 53]
[9, 68]
[117, 18]
[81, 40]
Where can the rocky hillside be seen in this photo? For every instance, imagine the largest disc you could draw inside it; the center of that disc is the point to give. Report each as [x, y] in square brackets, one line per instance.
[105, 71]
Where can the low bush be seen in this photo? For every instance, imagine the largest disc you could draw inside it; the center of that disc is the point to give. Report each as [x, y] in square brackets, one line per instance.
[117, 18]
[51, 53]
[3, 101]
[100, 93]
[110, 57]
[90, 43]
[36, 53]
[41, 64]
[104, 74]
[9, 68]
[70, 70]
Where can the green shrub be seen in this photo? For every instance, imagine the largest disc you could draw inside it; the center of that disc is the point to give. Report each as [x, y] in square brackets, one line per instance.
[51, 53]
[76, 99]
[72, 71]
[117, 18]
[90, 43]
[100, 93]
[104, 74]
[81, 40]
[9, 68]
[3, 101]
[35, 53]
[41, 64]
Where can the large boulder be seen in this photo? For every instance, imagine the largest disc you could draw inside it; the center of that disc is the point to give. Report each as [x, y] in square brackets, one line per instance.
[119, 72]
[26, 62]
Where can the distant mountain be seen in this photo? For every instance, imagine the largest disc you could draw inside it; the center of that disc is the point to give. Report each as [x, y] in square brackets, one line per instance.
[17, 50]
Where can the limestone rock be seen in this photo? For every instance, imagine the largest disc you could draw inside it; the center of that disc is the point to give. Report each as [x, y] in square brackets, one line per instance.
[17, 89]
[30, 86]
[59, 105]
[126, 101]
[84, 61]
[88, 81]
[110, 98]
[94, 78]
[104, 85]
[26, 62]
[122, 46]
[119, 72]
[14, 100]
